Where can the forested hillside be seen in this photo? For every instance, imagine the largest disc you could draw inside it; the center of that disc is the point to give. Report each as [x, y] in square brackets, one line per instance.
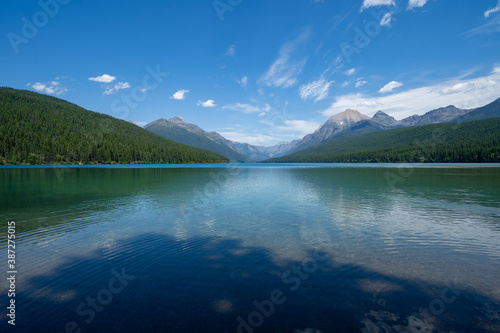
[476, 141]
[173, 131]
[40, 129]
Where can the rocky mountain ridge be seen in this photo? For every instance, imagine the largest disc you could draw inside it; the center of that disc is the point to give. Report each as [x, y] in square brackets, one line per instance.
[344, 124]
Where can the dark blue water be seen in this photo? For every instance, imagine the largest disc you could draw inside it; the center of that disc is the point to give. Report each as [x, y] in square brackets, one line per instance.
[254, 248]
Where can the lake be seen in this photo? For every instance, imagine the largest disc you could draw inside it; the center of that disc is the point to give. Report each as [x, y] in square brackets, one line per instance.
[253, 248]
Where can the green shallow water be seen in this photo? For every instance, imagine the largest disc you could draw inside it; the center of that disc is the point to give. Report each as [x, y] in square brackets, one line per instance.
[350, 247]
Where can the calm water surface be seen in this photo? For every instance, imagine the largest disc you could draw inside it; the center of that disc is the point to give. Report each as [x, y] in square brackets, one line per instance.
[254, 248]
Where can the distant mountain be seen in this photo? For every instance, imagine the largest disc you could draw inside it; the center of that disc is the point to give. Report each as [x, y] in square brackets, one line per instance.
[41, 129]
[441, 115]
[352, 123]
[260, 153]
[180, 120]
[349, 123]
[410, 121]
[332, 126]
[384, 119]
[256, 153]
[381, 121]
[362, 127]
[471, 142]
[177, 129]
[280, 149]
[488, 111]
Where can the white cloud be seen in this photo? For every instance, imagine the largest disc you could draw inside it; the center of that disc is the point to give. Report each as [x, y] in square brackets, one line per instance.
[118, 86]
[39, 86]
[373, 3]
[457, 88]
[180, 94]
[287, 130]
[490, 27]
[344, 84]
[231, 50]
[317, 89]
[389, 87]
[301, 127]
[463, 93]
[208, 104]
[285, 70]
[105, 78]
[256, 139]
[416, 3]
[386, 20]
[52, 87]
[109, 89]
[247, 108]
[492, 10]
[360, 82]
[350, 71]
[243, 82]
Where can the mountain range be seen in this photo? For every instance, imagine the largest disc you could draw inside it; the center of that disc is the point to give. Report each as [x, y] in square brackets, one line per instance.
[345, 124]
[475, 141]
[41, 129]
[177, 129]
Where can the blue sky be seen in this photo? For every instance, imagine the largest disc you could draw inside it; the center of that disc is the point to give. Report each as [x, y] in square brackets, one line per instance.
[255, 71]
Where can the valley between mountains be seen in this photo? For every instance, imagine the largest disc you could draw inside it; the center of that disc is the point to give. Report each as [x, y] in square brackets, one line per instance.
[354, 130]
[41, 129]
